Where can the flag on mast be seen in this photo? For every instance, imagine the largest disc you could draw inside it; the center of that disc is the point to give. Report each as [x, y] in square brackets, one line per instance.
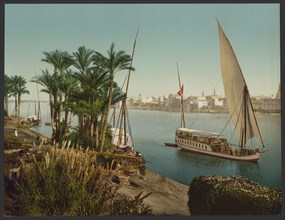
[180, 92]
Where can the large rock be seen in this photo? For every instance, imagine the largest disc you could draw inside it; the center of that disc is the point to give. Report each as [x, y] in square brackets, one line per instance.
[216, 195]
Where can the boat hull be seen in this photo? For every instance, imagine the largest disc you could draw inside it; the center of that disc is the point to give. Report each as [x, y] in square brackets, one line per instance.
[249, 158]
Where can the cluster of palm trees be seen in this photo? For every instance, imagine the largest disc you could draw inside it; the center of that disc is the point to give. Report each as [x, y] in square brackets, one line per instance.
[82, 83]
[14, 86]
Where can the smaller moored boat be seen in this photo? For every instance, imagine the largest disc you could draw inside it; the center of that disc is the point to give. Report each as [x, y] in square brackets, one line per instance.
[170, 144]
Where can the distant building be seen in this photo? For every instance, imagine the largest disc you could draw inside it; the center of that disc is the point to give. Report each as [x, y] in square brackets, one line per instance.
[150, 100]
[202, 102]
[265, 103]
[278, 96]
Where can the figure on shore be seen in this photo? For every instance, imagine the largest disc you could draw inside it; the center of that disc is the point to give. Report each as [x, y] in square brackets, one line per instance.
[16, 133]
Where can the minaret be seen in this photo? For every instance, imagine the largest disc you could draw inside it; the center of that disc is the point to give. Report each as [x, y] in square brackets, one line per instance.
[278, 93]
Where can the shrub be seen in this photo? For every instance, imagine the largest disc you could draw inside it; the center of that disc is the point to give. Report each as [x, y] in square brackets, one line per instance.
[68, 182]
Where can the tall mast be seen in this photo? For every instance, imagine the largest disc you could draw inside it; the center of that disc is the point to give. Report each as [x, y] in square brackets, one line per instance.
[182, 122]
[125, 100]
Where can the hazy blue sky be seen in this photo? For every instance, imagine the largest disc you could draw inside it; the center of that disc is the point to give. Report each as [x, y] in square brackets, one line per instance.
[183, 33]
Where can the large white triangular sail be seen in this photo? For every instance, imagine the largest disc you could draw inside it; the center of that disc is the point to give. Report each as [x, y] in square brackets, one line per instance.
[237, 94]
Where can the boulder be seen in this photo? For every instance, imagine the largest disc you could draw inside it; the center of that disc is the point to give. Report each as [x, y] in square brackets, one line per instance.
[217, 195]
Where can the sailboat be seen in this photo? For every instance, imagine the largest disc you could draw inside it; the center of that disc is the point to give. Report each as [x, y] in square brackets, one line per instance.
[241, 114]
[120, 136]
[48, 122]
[36, 118]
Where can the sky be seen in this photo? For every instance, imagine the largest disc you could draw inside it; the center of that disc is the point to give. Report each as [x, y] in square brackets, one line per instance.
[169, 34]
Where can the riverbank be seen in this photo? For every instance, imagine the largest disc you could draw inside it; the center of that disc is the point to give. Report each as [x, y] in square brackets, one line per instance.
[178, 110]
[167, 197]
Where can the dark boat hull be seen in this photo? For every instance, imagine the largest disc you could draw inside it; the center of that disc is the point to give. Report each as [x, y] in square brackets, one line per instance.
[249, 158]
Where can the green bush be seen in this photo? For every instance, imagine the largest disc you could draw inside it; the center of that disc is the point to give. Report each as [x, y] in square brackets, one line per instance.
[67, 182]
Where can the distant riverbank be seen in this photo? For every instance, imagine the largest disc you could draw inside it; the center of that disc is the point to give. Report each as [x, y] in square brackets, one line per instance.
[172, 109]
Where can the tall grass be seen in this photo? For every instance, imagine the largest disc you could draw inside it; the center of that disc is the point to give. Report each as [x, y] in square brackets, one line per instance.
[69, 182]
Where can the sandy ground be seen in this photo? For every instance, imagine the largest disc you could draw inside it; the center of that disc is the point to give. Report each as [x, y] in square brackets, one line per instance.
[167, 197]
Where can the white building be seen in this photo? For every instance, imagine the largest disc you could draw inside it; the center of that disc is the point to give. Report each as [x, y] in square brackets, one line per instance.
[218, 101]
[201, 101]
[149, 100]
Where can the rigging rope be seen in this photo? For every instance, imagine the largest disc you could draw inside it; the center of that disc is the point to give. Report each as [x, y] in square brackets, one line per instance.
[113, 115]
[211, 94]
[129, 125]
[231, 119]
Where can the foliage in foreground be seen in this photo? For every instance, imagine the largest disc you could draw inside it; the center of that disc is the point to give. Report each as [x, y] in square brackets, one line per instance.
[68, 182]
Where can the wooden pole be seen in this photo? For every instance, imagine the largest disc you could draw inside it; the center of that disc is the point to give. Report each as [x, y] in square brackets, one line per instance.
[182, 122]
[125, 100]
[39, 105]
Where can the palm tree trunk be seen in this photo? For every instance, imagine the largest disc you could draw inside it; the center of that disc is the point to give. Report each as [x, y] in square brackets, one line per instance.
[55, 118]
[80, 123]
[19, 105]
[107, 111]
[51, 113]
[66, 113]
[102, 125]
[91, 129]
[96, 132]
[16, 105]
[6, 105]
[70, 119]
[60, 115]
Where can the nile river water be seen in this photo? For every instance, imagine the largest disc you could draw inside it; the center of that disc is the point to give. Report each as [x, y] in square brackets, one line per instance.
[151, 129]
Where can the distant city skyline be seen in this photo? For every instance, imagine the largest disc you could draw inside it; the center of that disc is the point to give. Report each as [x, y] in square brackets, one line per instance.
[169, 33]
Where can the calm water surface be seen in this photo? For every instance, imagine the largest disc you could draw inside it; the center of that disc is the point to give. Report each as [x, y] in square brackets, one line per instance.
[151, 129]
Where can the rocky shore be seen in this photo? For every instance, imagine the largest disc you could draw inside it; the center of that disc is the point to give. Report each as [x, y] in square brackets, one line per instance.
[235, 195]
[167, 197]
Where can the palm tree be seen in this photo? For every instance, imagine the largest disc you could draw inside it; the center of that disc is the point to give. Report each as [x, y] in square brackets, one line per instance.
[21, 90]
[83, 63]
[60, 61]
[114, 62]
[89, 101]
[7, 92]
[18, 84]
[83, 59]
[68, 84]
